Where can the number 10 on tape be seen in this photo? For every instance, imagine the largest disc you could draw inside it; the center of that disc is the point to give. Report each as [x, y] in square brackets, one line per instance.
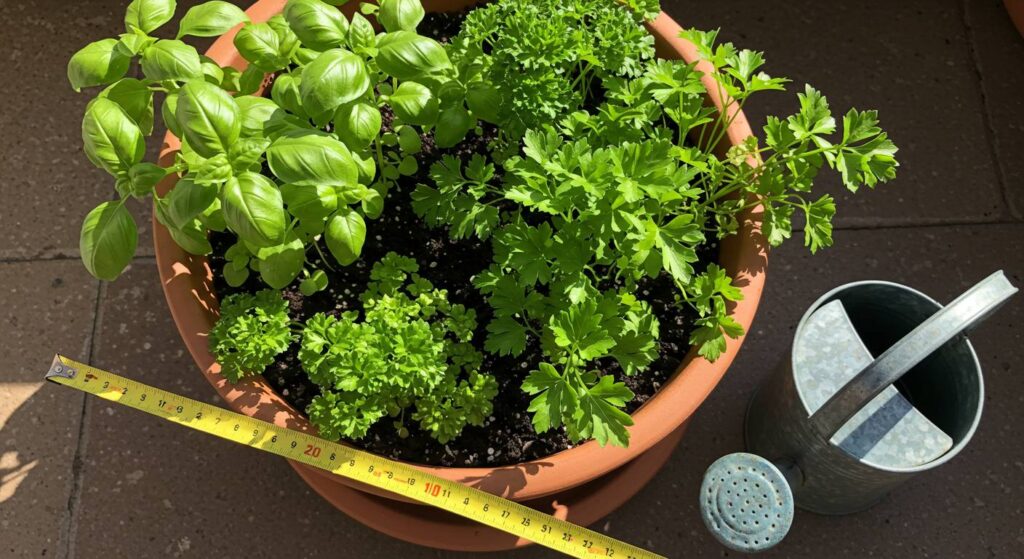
[396, 477]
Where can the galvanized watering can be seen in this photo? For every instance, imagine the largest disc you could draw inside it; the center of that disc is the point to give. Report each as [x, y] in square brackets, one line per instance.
[834, 429]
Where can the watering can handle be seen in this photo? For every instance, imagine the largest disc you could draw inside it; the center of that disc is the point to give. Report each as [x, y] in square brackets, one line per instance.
[968, 310]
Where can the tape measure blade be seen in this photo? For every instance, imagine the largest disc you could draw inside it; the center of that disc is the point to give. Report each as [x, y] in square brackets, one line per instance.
[377, 471]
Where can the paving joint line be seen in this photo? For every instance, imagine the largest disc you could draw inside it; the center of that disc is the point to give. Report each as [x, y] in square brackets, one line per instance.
[990, 131]
[69, 525]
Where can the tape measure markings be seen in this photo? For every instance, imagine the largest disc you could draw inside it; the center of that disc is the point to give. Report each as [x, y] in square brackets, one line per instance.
[396, 477]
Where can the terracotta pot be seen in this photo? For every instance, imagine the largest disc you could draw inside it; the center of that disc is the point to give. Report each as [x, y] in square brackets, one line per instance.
[1016, 10]
[188, 285]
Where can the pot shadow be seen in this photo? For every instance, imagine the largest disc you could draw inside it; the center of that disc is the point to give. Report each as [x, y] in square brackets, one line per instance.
[506, 481]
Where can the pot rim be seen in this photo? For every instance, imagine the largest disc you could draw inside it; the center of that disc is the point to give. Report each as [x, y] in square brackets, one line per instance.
[187, 282]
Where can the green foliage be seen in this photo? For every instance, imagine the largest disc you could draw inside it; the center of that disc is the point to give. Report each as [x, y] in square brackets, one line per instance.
[252, 330]
[319, 133]
[410, 351]
[541, 59]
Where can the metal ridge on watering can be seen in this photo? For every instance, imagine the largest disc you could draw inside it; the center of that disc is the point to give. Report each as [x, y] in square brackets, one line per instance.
[842, 427]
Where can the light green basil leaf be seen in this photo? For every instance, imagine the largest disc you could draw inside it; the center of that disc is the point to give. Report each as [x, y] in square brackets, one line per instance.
[345, 235]
[372, 204]
[209, 118]
[452, 126]
[289, 40]
[406, 55]
[147, 15]
[236, 274]
[484, 100]
[111, 138]
[213, 217]
[136, 99]
[312, 158]
[310, 202]
[254, 210]
[261, 46]
[211, 19]
[357, 124]
[409, 140]
[192, 238]
[304, 56]
[250, 81]
[135, 42]
[212, 72]
[167, 111]
[186, 201]
[398, 15]
[246, 153]
[414, 104]
[213, 170]
[281, 264]
[255, 111]
[336, 77]
[140, 180]
[108, 240]
[98, 63]
[367, 168]
[317, 281]
[285, 93]
[171, 60]
[361, 36]
[318, 25]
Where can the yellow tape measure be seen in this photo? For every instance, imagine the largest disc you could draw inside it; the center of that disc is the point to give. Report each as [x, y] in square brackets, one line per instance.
[396, 477]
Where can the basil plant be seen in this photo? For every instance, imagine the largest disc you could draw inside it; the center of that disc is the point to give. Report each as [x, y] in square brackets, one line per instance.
[281, 172]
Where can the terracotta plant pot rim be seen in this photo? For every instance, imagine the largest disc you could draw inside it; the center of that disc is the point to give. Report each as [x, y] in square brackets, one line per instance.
[188, 286]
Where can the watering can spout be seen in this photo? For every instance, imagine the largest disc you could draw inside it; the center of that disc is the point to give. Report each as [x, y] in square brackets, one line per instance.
[967, 311]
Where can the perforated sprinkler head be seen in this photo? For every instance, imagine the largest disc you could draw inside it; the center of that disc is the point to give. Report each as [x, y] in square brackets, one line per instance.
[746, 502]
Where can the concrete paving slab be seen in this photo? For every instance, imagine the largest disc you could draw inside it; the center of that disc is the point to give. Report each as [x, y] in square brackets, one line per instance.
[47, 307]
[909, 60]
[999, 54]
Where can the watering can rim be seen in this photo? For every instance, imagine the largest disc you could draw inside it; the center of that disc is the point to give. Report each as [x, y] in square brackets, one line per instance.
[968, 435]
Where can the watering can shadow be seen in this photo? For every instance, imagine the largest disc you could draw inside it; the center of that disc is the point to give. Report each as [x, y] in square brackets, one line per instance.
[833, 429]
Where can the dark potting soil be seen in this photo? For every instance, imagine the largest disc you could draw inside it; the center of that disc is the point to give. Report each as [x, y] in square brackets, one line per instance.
[508, 436]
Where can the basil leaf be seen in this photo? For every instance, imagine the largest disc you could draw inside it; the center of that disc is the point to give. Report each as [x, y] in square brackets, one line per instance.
[213, 217]
[337, 76]
[361, 36]
[254, 210]
[136, 99]
[318, 25]
[255, 112]
[357, 124]
[245, 154]
[136, 43]
[235, 274]
[171, 60]
[209, 118]
[212, 72]
[310, 202]
[452, 126]
[192, 238]
[261, 46]
[167, 111]
[211, 19]
[140, 180]
[397, 15]
[414, 104]
[484, 101]
[366, 168]
[317, 281]
[108, 240]
[406, 55]
[111, 138]
[147, 15]
[372, 203]
[186, 201]
[310, 159]
[213, 170]
[250, 81]
[285, 93]
[98, 63]
[345, 235]
[281, 264]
